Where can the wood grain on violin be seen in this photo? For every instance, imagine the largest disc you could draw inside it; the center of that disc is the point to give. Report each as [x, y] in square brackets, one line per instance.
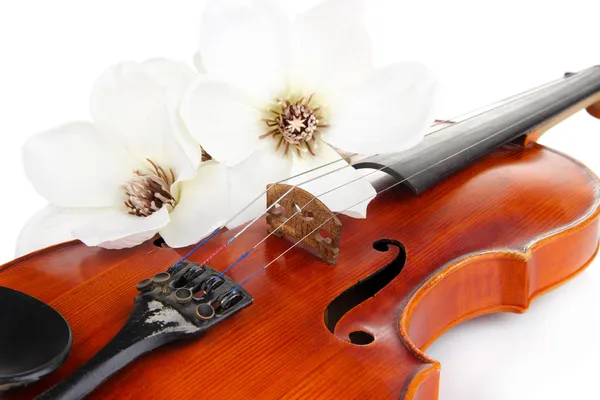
[490, 238]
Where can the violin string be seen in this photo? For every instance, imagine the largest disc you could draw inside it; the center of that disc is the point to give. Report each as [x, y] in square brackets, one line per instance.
[453, 121]
[258, 272]
[480, 110]
[228, 242]
[248, 225]
[471, 114]
[222, 226]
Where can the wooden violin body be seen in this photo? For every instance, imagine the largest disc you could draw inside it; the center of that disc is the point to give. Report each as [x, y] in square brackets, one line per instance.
[490, 238]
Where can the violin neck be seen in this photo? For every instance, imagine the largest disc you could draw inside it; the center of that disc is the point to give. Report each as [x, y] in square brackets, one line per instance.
[521, 118]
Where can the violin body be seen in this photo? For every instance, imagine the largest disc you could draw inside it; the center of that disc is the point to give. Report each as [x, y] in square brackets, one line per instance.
[490, 238]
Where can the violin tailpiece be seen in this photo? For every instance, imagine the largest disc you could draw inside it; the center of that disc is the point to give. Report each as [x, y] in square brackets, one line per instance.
[306, 214]
[182, 302]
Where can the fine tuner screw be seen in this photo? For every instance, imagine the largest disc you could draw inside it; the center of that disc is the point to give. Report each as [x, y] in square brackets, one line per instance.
[161, 279]
[183, 296]
[144, 285]
[205, 311]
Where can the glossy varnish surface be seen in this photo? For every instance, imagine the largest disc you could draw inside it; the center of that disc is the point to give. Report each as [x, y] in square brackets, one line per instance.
[488, 239]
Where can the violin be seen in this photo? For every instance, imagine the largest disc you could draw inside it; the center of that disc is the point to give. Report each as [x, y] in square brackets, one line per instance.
[478, 218]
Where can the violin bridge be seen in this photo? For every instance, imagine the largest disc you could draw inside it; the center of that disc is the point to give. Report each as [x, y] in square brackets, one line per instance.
[306, 214]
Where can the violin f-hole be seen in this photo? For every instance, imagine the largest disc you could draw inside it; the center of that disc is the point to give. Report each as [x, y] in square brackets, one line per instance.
[367, 287]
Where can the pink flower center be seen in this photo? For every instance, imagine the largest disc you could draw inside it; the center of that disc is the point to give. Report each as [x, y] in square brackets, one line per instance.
[295, 125]
[148, 192]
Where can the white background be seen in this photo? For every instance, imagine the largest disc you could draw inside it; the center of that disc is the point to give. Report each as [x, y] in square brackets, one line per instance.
[51, 52]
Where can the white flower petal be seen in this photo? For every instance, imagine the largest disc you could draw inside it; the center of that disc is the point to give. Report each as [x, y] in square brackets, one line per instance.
[198, 63]
[183, 153]
[331, 50]
[49, 226]
[249, 180]
[135, 105]
[225, 122]
[390, 112]
[171, 75]
[126, 242]
[244, 42]
[73, 166]
[129, 106]
[114, 228]
[345, 186]
[203, 206]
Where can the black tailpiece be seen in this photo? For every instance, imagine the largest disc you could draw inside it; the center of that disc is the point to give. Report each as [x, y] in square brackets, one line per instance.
[183, 302]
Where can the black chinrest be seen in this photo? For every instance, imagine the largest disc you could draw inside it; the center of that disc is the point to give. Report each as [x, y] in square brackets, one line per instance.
[34, 339]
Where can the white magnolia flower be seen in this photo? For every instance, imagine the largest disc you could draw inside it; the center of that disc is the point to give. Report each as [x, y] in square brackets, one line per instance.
[117, 182]
[280, 96]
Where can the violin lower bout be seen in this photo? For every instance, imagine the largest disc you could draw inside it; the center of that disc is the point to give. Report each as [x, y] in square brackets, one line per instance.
[490, 238]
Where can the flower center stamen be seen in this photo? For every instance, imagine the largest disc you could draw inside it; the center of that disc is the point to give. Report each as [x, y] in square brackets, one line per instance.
[148, 192]
[205, 155]
[295, 124]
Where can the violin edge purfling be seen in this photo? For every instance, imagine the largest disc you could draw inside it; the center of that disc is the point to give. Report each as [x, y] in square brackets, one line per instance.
[577, 244]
